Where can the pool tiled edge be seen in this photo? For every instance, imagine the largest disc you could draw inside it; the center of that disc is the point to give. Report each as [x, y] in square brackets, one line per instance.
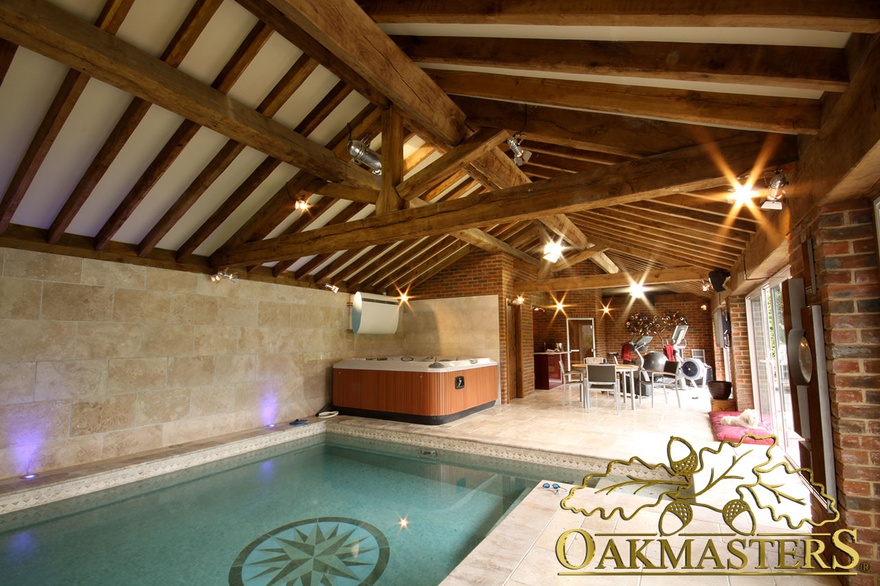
[17, 495]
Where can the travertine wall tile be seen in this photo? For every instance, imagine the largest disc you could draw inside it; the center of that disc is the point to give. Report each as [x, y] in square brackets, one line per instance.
[187, 430]
[193, 309]
[20, 298]
[273, 314]
[66, 302]
[215, 339]
[105, 414]
[132, 441]
[234, 368]
[133, 305]
[17, 380]
[166, 340]
[70, 379]
[237, 312]
[162, 406]
[23, 340]
[173, 281]
[212, 399]
[42, 266]
[275, 366]
[107, 340]
[190, 371]
[130, 375]
[72, 451]
[32, 424]
[111, 274]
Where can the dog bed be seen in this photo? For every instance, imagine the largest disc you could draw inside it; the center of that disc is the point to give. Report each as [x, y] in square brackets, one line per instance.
[735, 433]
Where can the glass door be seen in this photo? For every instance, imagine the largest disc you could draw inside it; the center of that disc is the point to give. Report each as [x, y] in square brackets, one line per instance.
[580, 337]
[770, 365]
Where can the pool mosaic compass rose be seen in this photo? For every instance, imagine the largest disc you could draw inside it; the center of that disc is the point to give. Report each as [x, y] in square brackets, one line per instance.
[314, 552]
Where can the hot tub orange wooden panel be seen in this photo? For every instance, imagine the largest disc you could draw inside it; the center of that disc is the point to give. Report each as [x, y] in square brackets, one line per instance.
[414, 392]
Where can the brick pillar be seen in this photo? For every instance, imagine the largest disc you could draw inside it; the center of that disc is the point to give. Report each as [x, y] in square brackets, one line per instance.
[848, 287]
[740, 362]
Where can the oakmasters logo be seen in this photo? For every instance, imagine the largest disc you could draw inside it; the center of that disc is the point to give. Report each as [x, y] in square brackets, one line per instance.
[705, 511]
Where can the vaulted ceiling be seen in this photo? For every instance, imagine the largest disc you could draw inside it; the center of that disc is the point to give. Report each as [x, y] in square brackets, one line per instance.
[182, 134]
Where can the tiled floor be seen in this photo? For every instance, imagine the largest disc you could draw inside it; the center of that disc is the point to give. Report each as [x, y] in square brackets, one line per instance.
[521, 551]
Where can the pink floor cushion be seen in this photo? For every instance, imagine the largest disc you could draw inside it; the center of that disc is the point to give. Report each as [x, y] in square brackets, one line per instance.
[735, 433]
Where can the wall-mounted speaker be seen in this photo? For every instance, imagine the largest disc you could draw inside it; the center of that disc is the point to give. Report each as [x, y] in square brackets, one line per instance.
[717, 278]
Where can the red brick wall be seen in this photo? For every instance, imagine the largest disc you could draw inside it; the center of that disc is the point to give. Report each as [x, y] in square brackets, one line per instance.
[740, 361]
[848, 288]
[699, 334]
[483, 273]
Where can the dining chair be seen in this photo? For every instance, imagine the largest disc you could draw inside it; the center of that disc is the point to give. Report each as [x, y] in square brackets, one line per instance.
[602, 377]
[572, 377]
[668, 379]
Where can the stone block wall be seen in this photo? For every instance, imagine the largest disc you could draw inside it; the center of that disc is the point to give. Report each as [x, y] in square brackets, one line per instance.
[100, 359]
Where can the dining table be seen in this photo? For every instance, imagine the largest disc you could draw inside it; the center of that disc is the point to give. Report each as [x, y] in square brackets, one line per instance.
[626, 373]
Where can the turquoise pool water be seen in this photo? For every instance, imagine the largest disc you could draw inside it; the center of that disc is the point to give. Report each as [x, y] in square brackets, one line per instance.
[333, 510]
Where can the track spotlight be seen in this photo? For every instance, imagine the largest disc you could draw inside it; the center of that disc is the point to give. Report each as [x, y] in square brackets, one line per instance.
[333, 288]
[775, 190]
[302, 205]
[520, 156]
[363, 154]
[224, 274]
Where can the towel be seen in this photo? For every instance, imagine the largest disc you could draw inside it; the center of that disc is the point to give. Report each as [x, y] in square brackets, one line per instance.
[626, 352]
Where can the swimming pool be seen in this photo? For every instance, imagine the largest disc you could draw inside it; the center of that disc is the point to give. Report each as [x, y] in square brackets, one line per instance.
[346, 509]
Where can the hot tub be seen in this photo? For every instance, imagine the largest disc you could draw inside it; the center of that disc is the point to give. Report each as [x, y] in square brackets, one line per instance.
[417, 389]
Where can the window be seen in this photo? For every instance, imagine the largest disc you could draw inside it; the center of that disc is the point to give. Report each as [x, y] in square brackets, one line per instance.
[769, 358]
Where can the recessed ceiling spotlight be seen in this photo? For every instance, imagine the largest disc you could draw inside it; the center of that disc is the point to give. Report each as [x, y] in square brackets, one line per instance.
[552, 251]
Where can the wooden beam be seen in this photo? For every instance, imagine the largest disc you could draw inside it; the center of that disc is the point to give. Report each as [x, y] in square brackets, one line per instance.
[604, 133]
[685, 169]
[845, 16]
[651, 252]
[747, 112]
[7, 52]
[194, 23]
[352, 36]
[814, 68]
[235, 199]
[392, 162]
[840, 162]
[565, 228]
[635, 231]
[654, 277]
[576, 258]
[66, 97]
[51, 31]
[471, 149]
[358, 194]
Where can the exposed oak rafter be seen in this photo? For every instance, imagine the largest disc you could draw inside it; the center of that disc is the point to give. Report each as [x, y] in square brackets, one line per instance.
[816, 68]
[787, 115]
[685, 169]
[46, 29]
[847, 15]
[674, 275]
